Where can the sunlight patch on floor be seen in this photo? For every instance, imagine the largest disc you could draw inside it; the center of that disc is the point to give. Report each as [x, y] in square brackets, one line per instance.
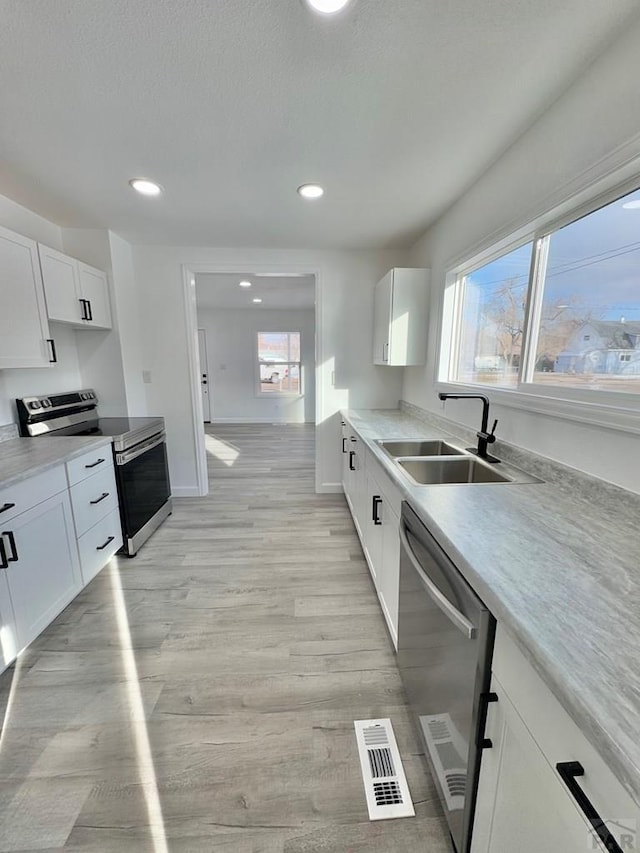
[137, 718]
[222, 450]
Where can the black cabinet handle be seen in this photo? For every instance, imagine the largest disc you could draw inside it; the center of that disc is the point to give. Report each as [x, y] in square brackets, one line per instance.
[102, 547]
[93, 464]
[377, 500]
[83, 303]
[12, 545]
[89, 311]
[568, 770]
[4, 563]
[352, 456]
[5, 507]
[101, 498]
[342, 423]
[344, 449]
[483, 742]
[54, 357]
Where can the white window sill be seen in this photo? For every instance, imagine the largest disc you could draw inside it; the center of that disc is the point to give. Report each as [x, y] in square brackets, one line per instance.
[605, 415]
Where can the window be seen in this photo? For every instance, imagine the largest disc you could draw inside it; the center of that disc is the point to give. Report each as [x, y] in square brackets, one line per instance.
[561, 311]
[279, 363]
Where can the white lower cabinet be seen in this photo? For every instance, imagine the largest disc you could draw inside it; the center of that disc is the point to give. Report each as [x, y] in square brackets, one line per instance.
[355, 480]
[98, 545]
[523, 802]
[43, 571]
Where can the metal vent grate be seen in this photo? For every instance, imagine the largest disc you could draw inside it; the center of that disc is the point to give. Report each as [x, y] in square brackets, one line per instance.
[387, 793]
[385, 784]
[381, 762]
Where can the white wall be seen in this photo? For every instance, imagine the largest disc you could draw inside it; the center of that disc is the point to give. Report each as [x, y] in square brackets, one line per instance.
[345, 320]
[589, 131]
[231, 353]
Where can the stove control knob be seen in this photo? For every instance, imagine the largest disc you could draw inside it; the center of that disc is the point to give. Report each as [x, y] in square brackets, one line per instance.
[35, 404]
[46, 404]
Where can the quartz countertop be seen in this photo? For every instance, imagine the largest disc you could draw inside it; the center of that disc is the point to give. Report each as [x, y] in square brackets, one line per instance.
[21, 458]
[558, 567]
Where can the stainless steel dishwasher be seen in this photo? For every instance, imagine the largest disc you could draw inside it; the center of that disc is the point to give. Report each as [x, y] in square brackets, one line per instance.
[445, 643]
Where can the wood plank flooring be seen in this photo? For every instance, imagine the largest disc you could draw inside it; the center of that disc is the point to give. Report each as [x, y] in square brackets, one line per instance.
[201, 696]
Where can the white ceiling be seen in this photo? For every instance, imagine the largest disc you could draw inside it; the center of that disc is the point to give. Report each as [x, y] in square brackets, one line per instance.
[396, 106]
[221, 290]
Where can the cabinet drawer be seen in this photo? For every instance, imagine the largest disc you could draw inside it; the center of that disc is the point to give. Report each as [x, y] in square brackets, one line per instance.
[89, 463]
[558, 736]
[30, 492]
[98, 545]
[94, 498]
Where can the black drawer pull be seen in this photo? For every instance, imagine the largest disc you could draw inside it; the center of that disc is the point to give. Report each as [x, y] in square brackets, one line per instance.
[344, 449]
[377, 500]
[101, 498]
[4, 563]
[12, 544]
[102, 547]
[568, 770]
[93, 464]
[352, 456]
[5, 507]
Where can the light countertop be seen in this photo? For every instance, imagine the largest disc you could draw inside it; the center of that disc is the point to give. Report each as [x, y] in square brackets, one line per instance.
[559, 568]
[21, 458]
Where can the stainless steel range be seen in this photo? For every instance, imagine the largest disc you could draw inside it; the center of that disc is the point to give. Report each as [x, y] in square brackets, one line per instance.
[139, 449]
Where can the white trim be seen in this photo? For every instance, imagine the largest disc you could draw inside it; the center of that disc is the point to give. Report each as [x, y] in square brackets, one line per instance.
[189, 271]
[329, 489]
[257, 421]
[193, 358]
[579, 411]
[185, 492]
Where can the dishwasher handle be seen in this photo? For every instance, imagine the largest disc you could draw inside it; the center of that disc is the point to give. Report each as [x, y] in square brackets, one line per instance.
[450, 611]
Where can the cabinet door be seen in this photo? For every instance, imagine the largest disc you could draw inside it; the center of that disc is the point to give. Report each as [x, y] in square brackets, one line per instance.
[408, 332]
[61, 286]
[95, 288]
[344, 456]
[372, 531]
[45, 574]
[389, 572]
[23, 315]
[521, 803]
[8, 635]
[382, 319]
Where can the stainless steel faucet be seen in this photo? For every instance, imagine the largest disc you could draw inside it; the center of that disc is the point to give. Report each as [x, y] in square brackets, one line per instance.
[484, 438]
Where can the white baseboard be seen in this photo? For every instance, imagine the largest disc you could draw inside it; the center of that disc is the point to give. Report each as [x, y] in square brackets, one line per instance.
[185, 492]
[328, 488]
[257, 421]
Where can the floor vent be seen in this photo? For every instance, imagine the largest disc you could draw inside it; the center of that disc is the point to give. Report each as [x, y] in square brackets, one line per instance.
[385, 784]
[446, 750]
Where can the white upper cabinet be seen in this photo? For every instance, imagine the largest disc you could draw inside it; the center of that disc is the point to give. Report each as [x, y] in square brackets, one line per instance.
[24, 329]
[76, 293]
[400, 318]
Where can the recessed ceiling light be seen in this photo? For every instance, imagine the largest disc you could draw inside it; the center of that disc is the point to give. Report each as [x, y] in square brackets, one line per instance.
[245, 284]
[310, 191]
[257, 299]
[632, 205]
[327, 7]
[145, 187]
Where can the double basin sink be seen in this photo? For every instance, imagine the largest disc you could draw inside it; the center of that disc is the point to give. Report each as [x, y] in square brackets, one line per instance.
[437, 463]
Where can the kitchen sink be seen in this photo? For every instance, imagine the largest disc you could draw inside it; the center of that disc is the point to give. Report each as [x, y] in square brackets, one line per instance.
[438, 472]
[419, 447]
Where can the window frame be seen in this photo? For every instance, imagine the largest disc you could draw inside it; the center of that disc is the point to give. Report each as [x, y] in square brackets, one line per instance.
[275, 394]
[611, 409]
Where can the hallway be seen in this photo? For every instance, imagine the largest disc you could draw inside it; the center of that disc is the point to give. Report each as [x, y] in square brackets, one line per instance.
[201, 696]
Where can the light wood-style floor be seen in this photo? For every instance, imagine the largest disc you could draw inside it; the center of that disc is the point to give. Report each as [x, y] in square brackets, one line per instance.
[201, 696]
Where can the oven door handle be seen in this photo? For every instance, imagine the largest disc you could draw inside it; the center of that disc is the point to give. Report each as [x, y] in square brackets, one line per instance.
[129, 455]
[452, 613]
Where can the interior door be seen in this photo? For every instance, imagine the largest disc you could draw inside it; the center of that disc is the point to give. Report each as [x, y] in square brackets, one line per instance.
[204, 376]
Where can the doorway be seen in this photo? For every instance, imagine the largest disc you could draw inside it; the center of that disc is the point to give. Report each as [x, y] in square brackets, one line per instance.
[254, 355]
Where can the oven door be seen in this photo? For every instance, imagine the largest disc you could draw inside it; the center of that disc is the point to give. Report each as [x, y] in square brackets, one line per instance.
[143, 483]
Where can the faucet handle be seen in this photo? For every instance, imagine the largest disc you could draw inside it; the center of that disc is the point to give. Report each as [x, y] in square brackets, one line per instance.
[491, 437]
